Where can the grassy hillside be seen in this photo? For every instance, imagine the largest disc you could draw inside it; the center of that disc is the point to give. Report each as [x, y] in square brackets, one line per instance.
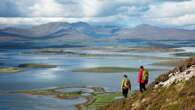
[173, 90]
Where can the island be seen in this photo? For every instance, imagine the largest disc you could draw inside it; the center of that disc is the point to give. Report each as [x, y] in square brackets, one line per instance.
[110, 69]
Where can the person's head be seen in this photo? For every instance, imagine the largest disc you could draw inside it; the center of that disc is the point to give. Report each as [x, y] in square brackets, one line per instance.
[141, 67]
[125, 76]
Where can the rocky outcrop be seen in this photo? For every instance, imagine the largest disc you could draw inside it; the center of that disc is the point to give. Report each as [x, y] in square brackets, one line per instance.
[178, 76]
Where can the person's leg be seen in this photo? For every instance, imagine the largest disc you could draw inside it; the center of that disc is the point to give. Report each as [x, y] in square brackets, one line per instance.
[144, 86]
[126, 93]
[140, 87]
[123, 92]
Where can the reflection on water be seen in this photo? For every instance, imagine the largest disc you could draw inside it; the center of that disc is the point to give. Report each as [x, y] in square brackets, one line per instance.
[49, 74]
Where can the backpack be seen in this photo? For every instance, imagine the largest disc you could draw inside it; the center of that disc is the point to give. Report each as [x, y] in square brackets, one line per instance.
[127, 84]
[145, 75]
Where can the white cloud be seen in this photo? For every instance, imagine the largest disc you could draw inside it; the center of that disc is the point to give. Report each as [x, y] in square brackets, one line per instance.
[171, 13]
[171, 9]
[175, 21]
[34, 20]
[46, 9]
[127, 12]
[91, 7]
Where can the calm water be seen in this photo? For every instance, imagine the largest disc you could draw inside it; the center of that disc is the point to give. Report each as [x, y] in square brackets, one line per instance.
[61, 75]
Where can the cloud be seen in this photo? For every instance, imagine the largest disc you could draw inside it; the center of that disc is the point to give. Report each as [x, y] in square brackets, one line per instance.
[171, 13]
[8, 8]
[91, 8]
[52, 8]
[68, 8]
[120, 12]
[40, 8]
[171, 9]
[35, 20]
[175, 21]
[45, 9]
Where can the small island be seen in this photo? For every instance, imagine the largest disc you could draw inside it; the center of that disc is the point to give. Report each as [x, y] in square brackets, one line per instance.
[171, 63]
[31, 65]
[109, 69]
[53, 92]
[22, 67]
[9, 69]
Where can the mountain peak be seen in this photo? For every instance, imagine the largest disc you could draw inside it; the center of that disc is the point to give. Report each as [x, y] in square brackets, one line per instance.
[145, 26]
[80, 24]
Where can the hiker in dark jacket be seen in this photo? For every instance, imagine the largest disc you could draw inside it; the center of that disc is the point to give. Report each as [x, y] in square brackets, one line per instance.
[125, 86]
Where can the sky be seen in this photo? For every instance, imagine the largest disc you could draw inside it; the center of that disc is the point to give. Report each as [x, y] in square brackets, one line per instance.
[170, 13]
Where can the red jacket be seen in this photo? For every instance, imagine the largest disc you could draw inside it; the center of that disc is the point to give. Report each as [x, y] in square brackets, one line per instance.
[139, 77]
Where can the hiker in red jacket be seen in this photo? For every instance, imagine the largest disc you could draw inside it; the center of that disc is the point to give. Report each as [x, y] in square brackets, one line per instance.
[140, 80]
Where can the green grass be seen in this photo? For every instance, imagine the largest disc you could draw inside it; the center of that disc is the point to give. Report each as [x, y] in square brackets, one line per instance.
[69, 95]
[9, 69]
[101, 100]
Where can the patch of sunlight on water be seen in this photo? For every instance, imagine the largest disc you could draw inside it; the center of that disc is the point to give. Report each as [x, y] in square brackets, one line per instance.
[49, 74]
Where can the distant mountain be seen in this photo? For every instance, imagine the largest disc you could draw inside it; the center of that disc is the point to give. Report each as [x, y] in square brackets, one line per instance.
[52, 34]
[54, 29]
[149, 32]
[61, 33]
[81, 30]
[40, 31]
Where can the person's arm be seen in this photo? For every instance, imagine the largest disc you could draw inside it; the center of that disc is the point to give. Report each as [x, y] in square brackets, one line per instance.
[122, 83]
[139, 76]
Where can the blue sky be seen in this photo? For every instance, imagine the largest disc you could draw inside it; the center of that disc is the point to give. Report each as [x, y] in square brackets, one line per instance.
[172, 13]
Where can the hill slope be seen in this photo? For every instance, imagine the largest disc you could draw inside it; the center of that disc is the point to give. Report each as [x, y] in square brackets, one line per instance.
[174, 90]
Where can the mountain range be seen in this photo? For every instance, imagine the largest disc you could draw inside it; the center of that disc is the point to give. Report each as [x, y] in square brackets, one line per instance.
[155, 33]
[57, 33]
